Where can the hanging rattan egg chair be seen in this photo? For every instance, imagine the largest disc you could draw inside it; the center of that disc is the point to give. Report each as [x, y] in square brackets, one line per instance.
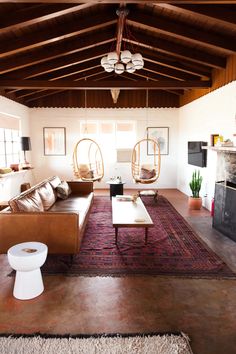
[146, 169]
[87, 161]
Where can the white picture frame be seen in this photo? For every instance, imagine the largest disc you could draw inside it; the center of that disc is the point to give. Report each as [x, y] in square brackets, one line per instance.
[161, 135]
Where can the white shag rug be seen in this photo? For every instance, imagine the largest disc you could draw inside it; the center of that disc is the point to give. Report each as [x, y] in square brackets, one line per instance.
[154, 344]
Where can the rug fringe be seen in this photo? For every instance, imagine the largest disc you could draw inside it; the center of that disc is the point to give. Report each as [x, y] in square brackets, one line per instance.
[93, 335]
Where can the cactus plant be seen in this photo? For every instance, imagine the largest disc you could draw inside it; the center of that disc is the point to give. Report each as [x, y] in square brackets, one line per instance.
[196, 184]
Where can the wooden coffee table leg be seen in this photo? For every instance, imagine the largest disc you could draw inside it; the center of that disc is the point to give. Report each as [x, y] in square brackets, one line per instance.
[116, 232]
[146, 235]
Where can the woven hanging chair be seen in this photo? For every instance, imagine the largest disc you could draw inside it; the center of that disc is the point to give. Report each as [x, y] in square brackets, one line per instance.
[144, 170]
[87, 161]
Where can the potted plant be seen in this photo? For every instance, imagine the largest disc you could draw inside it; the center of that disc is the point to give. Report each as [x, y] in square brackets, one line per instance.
[195, 201]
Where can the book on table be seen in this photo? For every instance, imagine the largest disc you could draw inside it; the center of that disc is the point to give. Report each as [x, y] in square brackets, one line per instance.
[124, 198]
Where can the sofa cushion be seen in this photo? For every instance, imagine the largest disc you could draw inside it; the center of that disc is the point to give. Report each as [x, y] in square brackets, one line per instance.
[74, 204]
[55, 181]
[47, 195]
[63, 190]
[29, 203]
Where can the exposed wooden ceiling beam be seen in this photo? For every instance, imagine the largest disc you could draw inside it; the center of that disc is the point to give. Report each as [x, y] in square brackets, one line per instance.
[88, 74]
[83, 67]
[55, 50]
[175, 92]
[176, 63]
[59, 63]
[102, 85]
[223, 14]
[76, 76]
[80, 68]
[40, 94]
[69, 29]
[37, 14]
[158, 23]
[179, 50]
[169, 72]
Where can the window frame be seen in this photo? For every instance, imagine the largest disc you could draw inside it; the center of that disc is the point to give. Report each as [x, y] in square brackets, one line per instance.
[10, 156]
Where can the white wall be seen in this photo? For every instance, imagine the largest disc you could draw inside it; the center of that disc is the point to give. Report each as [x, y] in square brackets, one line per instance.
[214, 113]
[10, 185]
[69, 118]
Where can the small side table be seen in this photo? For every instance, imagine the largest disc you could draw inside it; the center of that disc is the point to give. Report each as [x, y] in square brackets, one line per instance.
[27, 258]
[116, 188]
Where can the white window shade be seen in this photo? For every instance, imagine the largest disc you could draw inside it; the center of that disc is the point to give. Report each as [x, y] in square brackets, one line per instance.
[106, 128]
[8, 122]
[125, 127]
[89, 128]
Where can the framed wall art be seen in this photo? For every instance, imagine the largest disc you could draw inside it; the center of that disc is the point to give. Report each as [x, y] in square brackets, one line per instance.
[160, 134]
[54, 140]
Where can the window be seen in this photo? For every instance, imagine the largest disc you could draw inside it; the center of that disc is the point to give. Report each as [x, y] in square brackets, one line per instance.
[110, 135]
[9, 147]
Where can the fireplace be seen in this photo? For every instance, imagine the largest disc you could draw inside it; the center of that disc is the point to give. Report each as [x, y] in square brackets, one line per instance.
[224, 219]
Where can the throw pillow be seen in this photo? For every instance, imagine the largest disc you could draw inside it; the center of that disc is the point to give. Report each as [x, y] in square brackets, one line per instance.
[63, 190]
[47, 195]
[55, 181]
[147, 173]
[30, 203]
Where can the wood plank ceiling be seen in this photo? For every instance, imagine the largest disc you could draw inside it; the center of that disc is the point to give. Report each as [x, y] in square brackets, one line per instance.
[50, 51]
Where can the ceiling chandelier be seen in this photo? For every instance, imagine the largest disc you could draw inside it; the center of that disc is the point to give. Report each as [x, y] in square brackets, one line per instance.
[119, 60]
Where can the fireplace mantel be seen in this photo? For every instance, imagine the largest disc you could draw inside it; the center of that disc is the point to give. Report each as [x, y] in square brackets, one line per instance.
[228, 149]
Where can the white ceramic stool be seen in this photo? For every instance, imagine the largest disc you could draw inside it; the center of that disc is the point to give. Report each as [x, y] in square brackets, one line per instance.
[27, 258]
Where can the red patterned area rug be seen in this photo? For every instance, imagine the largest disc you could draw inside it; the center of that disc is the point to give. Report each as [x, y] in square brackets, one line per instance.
[173, 247]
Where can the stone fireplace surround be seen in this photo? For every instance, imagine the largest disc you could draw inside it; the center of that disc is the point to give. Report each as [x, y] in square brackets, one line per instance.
[224, 219]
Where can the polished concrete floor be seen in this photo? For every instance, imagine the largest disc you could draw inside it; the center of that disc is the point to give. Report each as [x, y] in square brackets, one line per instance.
[205, 309]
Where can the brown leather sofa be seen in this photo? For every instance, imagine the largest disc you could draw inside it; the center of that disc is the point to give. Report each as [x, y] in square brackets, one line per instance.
[39, 215]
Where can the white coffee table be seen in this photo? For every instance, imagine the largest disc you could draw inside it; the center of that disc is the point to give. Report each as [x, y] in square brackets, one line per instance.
[130, 214]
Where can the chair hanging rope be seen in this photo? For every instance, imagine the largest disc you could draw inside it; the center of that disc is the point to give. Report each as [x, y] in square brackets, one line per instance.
[87, 161]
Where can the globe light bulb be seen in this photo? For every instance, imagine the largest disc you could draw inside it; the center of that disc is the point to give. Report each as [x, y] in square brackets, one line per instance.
[112, 58]
[119, 68]
[125, 56]
[130, 68]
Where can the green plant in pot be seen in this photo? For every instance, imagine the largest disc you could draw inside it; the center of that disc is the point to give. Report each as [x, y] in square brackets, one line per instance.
[195, 201]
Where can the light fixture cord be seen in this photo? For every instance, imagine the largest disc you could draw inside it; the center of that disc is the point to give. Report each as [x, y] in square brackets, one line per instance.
[85, 105]
[147, 97]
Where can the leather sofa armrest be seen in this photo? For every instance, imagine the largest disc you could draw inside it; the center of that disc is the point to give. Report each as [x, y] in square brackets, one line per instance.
[80, 187]
[59, 231]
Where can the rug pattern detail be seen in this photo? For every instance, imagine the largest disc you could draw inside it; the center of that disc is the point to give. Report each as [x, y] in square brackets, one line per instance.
[173, 248]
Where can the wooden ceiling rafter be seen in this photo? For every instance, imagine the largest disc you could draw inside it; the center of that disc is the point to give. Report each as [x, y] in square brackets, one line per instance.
[84, 75]
[37, 14]
[53, 51]
[223, 15]
[82, 68]
[179, 50]
[174, 63]
[56, 33]
[59, 63]
[179, 30]
[168, 72]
